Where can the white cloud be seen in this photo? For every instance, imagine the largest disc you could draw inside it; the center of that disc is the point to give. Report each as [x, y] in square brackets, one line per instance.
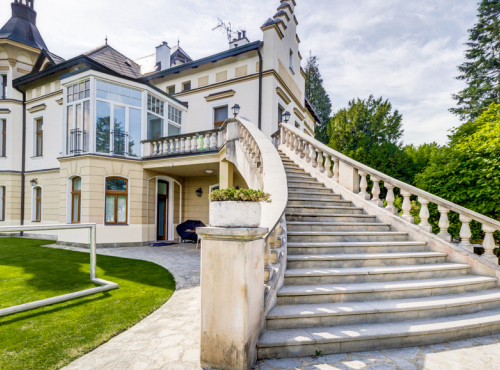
[405, 51]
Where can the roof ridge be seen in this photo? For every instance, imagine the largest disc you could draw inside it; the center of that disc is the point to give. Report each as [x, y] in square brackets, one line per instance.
[112, 48]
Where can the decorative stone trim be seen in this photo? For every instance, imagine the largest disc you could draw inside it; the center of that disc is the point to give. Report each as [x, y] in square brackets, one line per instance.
[219, 233]
[283, 95]
[37, 108]
[220, 95]
[276, 28]
[303, 73]
[298, 39]
[285, 14]
[299, 114]
[24, 71]
[5, 111]
[43, 97]
[60, 101]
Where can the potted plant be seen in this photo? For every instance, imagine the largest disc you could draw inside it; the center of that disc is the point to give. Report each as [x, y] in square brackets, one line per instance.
[236, 207]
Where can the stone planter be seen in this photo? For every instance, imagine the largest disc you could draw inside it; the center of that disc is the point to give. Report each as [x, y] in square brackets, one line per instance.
[235, 214]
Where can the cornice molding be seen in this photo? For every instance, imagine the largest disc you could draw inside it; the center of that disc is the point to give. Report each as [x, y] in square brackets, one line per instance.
[221, 95]
[37, 108]
[283, 95]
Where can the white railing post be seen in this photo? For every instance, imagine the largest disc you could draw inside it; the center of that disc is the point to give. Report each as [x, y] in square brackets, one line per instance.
[177, 146]
[444, 224]
[390, 198]
[313, 156]
[363, 185]
[328, 165]
[465, 233]
[320, 161]
[308, 152]
[407, 207]
[424, 215]
[188, 145]
[376, 192]
[489, 244]
[336, 170]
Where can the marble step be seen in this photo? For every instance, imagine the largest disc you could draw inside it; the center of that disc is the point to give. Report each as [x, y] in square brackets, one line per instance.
[304, 182]
[323, 210]
[345, 236]
[373, 274]
[294, 171]
[313, 194]
[313, 186]
[351, 313]
[329, 217]
[322, 261]
[298, 176]
[367, 337]
[337, 226]
[292, 201]
[355, 247]
[336, 293]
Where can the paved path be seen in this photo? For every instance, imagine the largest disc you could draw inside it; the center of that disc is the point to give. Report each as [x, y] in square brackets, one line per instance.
[168, 339]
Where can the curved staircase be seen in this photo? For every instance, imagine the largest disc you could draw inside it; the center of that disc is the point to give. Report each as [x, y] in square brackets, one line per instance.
[353, 284]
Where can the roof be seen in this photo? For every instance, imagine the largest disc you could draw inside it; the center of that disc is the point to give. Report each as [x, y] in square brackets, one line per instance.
[178, 53]
[311, 109]
[115, 60]
[21, 27]
[55, 58]
[284, 5]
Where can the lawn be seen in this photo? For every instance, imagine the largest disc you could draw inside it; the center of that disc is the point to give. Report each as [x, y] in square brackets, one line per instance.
[53, 336]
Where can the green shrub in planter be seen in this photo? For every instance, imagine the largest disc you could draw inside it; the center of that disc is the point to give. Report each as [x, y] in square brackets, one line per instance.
[239, 195]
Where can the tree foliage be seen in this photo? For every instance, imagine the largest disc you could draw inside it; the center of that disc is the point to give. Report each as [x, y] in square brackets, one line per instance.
[481, 70]
[318, 97]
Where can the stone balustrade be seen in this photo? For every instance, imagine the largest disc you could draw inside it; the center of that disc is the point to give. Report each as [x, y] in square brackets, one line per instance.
[354, 176]
[212, 140]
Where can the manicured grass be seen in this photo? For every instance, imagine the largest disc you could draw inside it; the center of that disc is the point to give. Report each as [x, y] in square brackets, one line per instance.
[53, 336]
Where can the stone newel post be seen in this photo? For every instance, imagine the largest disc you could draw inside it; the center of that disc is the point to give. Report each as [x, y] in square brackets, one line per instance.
[232, 296]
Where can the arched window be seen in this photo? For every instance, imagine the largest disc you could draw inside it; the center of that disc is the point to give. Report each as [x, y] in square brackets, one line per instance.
[37, 192]
[2, 203]
[116, 201]
[76, 199]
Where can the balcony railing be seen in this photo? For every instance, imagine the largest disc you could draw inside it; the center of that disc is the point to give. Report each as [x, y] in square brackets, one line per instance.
[197, 142]
[75, 141]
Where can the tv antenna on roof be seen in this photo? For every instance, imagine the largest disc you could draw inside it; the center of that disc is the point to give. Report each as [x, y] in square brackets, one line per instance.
[227, 28]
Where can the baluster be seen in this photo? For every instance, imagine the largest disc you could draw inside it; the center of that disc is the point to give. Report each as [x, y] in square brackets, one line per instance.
[376, 192]
[313, 156]
[206, 142]
[444, 224]
[299, 146]
[489, 244]
[213, 141]
[320, 161]
[424, 215]
[177, 149]
[253, 150]
[194, 144]
[407, 206]
[308, 152]
[182, 144]
[283, 135]
[328, 166]
[363, 185]
[153, 148]
[257, 158]
[172, 146]
[295, 142]
[465, 233]
[390, 199]
[163, 147]
[288, 139]
[336, 170]
[301, 149]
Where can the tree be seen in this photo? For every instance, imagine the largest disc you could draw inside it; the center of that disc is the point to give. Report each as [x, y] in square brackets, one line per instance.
[481, 70]
[421, 155]
[317, 96]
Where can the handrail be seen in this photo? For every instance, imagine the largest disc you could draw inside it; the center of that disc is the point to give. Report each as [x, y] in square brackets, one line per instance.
[292, 137]
[196, 133]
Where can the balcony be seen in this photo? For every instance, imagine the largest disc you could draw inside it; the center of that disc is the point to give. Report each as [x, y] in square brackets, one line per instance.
[202, 142]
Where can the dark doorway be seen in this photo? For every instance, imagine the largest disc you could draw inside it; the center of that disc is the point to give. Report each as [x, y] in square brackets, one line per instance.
[162, 214]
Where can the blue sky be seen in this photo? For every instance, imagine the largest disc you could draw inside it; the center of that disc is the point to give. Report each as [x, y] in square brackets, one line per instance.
[404, 50]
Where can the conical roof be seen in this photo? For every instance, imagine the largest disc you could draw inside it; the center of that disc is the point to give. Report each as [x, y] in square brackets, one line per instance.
[21, 27]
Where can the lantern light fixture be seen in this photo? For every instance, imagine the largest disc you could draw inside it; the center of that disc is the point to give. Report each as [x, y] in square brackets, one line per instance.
[286, 116]
[199, 193]
[34, 182]
[236, 110]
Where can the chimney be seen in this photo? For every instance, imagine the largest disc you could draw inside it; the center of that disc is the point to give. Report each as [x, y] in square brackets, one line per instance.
[163, 56]
[239, 35]
[240, 41]
[244, 34]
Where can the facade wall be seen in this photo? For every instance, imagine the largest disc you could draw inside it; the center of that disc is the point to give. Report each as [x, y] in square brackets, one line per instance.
[12, 184]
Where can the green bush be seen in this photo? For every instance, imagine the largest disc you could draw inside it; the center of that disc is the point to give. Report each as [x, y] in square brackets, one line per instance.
[239, 195]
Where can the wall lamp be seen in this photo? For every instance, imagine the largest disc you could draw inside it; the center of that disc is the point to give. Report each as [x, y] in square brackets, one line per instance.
[286, 116]
[199, 192]
[236, 110]
[34, 182]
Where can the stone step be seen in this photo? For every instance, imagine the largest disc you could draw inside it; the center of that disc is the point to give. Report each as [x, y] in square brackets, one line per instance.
[355, 247]
[313, 195]
[318, 202]
[352, 313]
[367, 337]
[373, 274]
[339, 217]
[299, 176]
[314, 186]
[324, 261]
[317, 189]
[324, 210]
[337, 226]
[304, 183]
[345, 236]
[294, 171]
[332, 293]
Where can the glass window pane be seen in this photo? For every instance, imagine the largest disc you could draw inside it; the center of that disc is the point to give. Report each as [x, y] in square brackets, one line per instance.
[87, 93]
[102, 94]
[102, 85]
[39, 209]
[119, 131]
[39, 145]
[162, 188]
[125, 99]
[75, 208]
[114, 97]
[78, 116]
[122, 208]
[136, 102]
[116, 184]
[103, 131]
[82, 94]
[75, 96]
[77, 183]
[110, 208]
[76, 88]
[114, 88]
[70, 90]
[125, 91]
[87, 85]
[173, 130]
[134, 143]
[221, 114]
[86, 126]
[137, 94]
[155, 127]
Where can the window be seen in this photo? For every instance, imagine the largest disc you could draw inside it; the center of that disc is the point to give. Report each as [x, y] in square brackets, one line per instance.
[39, 137]
[76, 201]
[281, 111]
[171, 90]
[134, 139]
[291, 59]
[116, 201]
[38, 204]
[79, 91]
[174, 121]
[2, 203]
[220, 115]
[3, 87]
[119, 94]
[155, 120]
[297, 124]
[78, 118]
[3, 138]
[186, 86]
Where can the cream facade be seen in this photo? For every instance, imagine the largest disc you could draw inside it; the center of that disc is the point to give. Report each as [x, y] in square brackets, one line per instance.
[134, 146]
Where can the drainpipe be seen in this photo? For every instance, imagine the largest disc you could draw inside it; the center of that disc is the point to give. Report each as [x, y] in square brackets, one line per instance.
[23, 165]
[260, 88]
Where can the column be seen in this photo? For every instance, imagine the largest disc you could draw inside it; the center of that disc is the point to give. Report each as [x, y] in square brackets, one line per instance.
[225, 175]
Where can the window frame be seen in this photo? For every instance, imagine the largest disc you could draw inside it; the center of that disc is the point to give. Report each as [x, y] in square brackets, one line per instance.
[3, 197]
[3, 83]
[168, 89]
[218, 124]
[116, 194]
[78, 117]
[38, 203]
[73, 193]
[3, 137]
[38, 135]
[175, 113]
[184, 86]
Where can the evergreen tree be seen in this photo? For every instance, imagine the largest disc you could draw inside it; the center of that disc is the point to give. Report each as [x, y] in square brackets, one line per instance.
[317, 96]
[481, 71]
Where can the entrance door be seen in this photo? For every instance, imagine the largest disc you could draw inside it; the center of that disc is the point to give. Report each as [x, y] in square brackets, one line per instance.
[162, 216]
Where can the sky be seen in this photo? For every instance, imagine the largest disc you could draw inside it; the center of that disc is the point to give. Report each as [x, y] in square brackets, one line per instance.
[406, 51]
